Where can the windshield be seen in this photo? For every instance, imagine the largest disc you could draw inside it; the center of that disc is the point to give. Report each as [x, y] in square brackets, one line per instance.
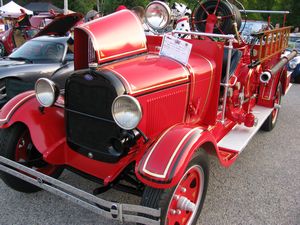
[294, 42]
[39, 51]
[253, 27]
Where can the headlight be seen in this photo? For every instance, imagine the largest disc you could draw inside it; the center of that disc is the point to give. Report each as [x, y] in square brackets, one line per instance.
[293, 65]
[127, 112]
[46, 92]
[158, 15]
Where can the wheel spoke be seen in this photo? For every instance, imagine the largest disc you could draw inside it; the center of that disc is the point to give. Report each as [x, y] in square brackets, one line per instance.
[225, 17]
[200, 21]
[220, 29]
[216, 7]
[204, 9]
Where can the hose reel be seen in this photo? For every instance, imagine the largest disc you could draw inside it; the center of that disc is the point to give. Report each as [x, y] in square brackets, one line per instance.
[217, 16]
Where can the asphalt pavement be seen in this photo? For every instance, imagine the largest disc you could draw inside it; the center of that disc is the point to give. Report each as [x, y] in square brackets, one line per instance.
[261, 188]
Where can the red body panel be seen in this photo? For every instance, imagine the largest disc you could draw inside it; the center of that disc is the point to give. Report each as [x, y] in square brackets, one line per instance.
[127, 37]
[140, 75]
[168, 105]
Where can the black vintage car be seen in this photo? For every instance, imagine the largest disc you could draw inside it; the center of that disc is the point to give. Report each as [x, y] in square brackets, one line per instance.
[49, 55]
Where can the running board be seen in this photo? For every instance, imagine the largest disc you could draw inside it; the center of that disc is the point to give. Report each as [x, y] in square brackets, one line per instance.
[111, 210]
[240, 135]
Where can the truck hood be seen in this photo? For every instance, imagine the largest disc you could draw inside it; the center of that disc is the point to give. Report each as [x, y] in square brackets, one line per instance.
[147, 73]
[60, 25]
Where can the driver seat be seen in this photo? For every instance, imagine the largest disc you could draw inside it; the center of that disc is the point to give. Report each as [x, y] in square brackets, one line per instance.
[235, 58]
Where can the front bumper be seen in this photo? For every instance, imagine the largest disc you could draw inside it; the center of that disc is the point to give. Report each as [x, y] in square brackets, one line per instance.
[112, 210]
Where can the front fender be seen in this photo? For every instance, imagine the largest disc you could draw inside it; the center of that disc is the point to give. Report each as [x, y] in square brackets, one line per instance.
[46, 126]
[166, 160]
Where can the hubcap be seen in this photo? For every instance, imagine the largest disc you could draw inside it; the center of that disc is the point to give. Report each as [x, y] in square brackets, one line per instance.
[186, 198]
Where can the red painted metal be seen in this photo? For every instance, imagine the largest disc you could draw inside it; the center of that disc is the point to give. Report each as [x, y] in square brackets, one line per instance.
[127, 37]
[140, 75]
[180, 104]
[178, 144]
[190, 188]
[24, 145]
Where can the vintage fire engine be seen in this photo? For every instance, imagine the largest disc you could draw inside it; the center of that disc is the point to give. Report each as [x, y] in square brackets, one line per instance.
[137, 117]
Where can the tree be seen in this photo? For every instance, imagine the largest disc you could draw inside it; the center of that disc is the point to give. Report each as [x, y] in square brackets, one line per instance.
[109, 6]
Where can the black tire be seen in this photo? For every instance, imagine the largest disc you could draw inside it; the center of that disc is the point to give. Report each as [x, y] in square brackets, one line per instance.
[161, 198]
[271, 121]
[9, 144]
[225, 9]
[2, 50]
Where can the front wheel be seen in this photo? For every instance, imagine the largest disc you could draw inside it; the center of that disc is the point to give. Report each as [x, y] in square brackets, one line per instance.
[182, 204]
[16, 145]
[271, 121]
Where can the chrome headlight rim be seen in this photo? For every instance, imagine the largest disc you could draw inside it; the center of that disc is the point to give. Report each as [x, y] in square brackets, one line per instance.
[167, 11]
[136, 104]
[52, 87]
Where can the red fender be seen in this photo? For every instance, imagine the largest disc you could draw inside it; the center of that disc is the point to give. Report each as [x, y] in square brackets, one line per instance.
[46, 127]
[47, 130]
[166, 160]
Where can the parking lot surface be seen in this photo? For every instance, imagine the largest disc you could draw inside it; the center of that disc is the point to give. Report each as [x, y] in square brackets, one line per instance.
[261, 188]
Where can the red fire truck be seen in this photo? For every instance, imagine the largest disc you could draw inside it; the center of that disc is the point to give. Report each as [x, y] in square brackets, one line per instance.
[142, 113]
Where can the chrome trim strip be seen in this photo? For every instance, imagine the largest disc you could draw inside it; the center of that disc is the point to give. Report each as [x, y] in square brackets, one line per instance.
[116, 211]
[265, 11]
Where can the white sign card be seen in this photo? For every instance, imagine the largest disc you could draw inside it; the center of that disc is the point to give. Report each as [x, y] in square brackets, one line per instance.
[176, 48]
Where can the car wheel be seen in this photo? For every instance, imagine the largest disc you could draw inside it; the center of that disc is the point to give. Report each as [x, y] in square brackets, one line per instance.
[2, 50]
[271, 121]
[182, 204]
[16, 145]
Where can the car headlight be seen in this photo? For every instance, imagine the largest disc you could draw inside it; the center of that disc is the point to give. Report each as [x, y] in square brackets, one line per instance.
[293, 65]
[46, 92]
[127, 112]
[157, 15]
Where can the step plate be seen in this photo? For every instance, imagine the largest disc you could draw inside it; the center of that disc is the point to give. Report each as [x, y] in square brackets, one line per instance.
[238, 138]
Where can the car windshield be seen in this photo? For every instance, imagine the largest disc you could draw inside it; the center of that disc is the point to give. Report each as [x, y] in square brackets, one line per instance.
[294, 42]
[39, 51]
[253, 27]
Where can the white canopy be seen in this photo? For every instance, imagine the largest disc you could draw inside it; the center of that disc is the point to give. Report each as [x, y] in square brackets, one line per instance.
[13, 7]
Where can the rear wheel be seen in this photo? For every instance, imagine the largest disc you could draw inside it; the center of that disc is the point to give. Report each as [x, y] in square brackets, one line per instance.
[271, 121]
[182, 204]
[16, 145]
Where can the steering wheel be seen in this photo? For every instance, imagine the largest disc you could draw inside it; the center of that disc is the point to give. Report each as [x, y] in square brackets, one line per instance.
[216, 16]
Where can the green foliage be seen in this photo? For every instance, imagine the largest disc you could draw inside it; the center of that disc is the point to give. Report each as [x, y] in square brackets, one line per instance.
[109, 6]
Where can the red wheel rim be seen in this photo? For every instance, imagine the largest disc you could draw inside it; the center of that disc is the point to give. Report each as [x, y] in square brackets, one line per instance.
[25, 153]
[276, 102]
[189, 190]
